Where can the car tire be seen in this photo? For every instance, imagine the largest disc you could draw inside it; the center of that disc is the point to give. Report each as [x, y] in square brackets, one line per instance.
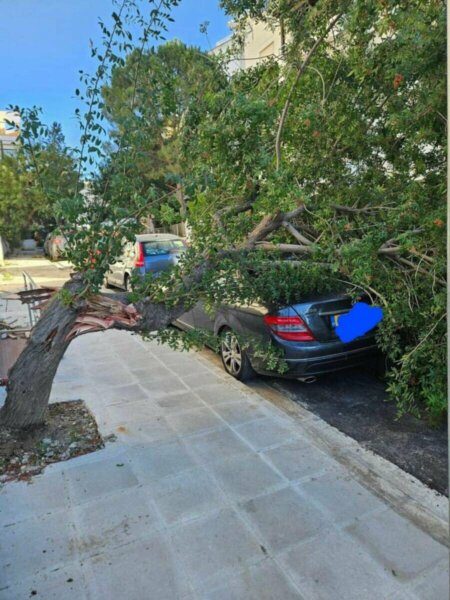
[235, 360]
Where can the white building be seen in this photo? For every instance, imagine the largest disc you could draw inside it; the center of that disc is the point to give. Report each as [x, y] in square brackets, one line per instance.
[260, 41]
[8, 135]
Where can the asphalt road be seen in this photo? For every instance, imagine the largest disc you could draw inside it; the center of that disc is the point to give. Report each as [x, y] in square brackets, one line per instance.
[354, 401]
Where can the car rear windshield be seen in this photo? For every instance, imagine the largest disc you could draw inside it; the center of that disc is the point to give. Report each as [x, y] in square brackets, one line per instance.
[162, 247]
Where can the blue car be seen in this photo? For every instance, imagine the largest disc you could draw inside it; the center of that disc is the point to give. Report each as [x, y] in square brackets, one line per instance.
[149, 253]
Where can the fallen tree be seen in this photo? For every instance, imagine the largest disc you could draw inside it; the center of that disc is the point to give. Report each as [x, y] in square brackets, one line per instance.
[72, 312]
[335, 156]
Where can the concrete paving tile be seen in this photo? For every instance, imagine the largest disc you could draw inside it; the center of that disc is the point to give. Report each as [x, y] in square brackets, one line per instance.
[171, 357]
[389, 538]
[194, 421]
[218, 542]
[145, 569]
[149, 369]
[236, 413]
[218, 393]
[186, 495]
[154, 462]
[69, 375]
[65, 583]
[199, 380]
[134, 353]
[161, 386]
[188, 367]
[141, 410]
[407, 595]
[434, 584]
[114, 375]
[114, 519]
[98, 355]
[125, 343]
[340, 496]
[284, 518]
[20, 500]
[34, 545]
[88, 481]
[245, 476]
[264, 433]
[120, 394]
[217, 445]
[97, 360]
[179, 402]
[141, 361]
[144, 431]
[264, 581]
[298, 459]
[113, 451]
[61, 392]
[111, 335]
[334, 566]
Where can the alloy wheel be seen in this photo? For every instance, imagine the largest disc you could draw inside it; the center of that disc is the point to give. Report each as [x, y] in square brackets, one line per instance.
[231, 353]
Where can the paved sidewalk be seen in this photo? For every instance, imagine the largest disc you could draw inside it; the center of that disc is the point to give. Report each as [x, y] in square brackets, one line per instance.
[210, 492]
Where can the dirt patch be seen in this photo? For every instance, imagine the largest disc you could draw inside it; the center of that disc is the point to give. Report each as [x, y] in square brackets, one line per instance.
[70, 431]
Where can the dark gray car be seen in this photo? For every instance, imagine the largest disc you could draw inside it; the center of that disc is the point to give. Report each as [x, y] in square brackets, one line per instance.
[305, 333]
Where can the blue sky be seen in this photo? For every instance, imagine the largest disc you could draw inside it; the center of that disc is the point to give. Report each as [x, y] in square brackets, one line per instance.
[44, 43]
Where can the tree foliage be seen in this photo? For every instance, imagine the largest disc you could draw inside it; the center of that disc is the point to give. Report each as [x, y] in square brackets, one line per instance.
[145, 103]
[336, 154]
[33, 181]
[364, 145]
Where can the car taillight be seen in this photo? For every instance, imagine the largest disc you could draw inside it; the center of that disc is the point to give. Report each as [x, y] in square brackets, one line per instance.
[139, 261]
[292, 329]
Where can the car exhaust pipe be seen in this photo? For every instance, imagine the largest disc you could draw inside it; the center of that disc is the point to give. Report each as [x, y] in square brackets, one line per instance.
[309, 379]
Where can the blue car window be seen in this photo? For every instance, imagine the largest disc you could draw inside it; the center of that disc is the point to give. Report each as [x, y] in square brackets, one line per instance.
[162, 247]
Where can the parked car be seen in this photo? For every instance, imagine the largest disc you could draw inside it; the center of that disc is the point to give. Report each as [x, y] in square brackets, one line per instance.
[54, 245]
[149, 253]
[304, 332]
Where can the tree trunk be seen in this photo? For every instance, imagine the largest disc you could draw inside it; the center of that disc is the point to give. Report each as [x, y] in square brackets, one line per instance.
[30, 379]
[181, 200]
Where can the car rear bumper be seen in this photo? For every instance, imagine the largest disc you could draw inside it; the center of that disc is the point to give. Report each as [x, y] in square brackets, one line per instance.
[332, 362]
[326, 362]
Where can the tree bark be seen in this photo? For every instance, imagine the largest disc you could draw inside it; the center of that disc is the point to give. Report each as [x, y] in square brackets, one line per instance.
[30, 379]
[182, 201]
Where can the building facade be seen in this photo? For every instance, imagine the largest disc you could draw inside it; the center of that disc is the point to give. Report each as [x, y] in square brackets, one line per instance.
[8, 135]
[260, 41]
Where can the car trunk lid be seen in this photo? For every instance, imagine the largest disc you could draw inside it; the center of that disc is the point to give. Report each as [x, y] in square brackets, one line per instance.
[322, 315]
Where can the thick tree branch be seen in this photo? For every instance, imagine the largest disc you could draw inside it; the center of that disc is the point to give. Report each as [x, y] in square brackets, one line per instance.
[365, 210]
[295, 248]
[268, 224]
[232, 211]
[295, 233]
